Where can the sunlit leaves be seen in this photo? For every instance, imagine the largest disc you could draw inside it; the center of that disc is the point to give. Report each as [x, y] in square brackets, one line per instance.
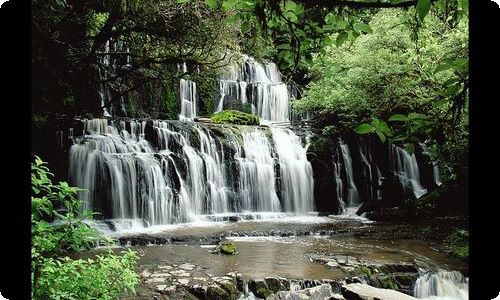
[211, 3]
[364, 128]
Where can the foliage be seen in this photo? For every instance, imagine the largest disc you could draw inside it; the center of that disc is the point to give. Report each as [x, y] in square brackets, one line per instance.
[458, 241]
[58, 229]
[235, 117]
[404, 88]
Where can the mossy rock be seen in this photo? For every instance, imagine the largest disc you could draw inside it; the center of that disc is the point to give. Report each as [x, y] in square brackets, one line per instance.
[234, 117]
[259, 288]
[388, 282]
[228, 248]
[215, 292]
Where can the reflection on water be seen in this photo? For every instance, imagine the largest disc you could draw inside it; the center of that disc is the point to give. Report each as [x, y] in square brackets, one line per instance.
[291, 256]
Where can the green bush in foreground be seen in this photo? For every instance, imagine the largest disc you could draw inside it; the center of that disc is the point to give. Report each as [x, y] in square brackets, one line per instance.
[234, 117]
[53, 274]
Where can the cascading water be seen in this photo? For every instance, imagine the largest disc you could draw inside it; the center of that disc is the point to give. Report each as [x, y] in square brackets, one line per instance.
[339, 184]
[257, 171]
[443, 285]
[405, 168]
[297, 186]
[187, 93]
[257, 84]
[371, 172]
[182, 174]
[352, 190]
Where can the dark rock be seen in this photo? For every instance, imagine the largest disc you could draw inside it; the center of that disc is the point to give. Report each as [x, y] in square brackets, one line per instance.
[215, 292]
[259, 288]
[277, 284]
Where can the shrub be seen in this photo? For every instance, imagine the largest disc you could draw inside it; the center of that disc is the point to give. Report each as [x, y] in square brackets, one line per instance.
[58, 229]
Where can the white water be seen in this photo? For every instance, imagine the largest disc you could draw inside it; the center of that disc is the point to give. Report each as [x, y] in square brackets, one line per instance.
[187, 177]
[352, 190]
[257, 84]
[443, 285]
[405, 168]
[257, 178]
[296, 172]
[187, 93]
[339, 184]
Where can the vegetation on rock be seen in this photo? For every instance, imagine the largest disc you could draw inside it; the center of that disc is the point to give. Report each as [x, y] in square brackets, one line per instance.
[228, 248]
[235, 117]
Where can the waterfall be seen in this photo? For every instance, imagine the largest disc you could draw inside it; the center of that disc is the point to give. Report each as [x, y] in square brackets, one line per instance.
[107, 69]
[295, 171]
[445, 285]
[181, 173]
[337, 169]
[257, 171]
[405, 168]
[371, 172]
[352, 190]
[259, 85]
[187, 93]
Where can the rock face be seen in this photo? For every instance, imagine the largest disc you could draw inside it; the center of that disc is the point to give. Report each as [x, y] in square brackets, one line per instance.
[319, 292]
[359, 291]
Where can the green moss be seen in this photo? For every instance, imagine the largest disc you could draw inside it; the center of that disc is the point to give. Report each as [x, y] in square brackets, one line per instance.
[388, 282]
[228, 248]
[234, 117]
[264, 292]
[364, 270]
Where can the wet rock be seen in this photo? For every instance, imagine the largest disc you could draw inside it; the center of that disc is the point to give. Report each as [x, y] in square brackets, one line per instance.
[215, 292]
[187, 267]
[319, 292]
[183, 281]
[259, 288]
[359, 291]
[155, 280]
[164, 275]
[161, 287]
[287, 296]
[277, 284]
[230, 287]
[228, 248]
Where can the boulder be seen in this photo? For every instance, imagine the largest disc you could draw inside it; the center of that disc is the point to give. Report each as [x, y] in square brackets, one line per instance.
[259, 288]
[277, 284]
[228, 248]
[359, 291]
[215, 292]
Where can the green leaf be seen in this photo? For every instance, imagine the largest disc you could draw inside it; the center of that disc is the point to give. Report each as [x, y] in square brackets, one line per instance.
[183, 1]
[381, 136]
[412, 116]
[463, 4]
[211, 3]
[227, 4]
[284, 47]
[364, 128]
[440, 103]
[341, 38]
[245, 27]
[362, 27]
[410, 148]
[443, 67]
[398, 117]
[328, 27]
[423, 7]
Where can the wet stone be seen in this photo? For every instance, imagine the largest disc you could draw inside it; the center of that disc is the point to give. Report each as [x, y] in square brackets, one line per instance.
[187, 267]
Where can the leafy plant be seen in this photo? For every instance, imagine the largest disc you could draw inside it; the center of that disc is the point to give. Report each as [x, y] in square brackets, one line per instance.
[58, 229]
